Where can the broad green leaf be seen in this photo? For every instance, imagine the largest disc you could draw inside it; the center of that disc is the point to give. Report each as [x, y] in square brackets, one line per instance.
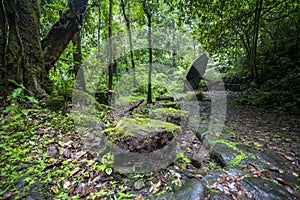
[25, 111]
[108, 171]
[32, 99]
[12, 107]
[16, 92]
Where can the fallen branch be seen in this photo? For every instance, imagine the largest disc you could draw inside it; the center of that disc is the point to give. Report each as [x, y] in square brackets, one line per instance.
[137, 104]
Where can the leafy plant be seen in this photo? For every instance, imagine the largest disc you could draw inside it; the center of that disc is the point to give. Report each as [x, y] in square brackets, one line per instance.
[107, 161]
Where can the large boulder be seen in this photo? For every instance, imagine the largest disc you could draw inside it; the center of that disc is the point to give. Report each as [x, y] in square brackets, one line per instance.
[142, 144]
[259, 188]
[142, 134]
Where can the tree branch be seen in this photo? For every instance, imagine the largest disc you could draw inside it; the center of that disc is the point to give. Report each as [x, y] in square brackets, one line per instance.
[62, 32]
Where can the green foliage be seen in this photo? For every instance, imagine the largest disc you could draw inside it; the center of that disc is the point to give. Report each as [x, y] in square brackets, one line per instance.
[180, 157]
[107, 161]
[19, 144]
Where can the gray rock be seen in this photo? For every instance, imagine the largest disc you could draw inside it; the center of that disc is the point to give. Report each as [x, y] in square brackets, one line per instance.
[212, 177]
[53, 151]
[138, 185]
[19, 182]
[219, 196]
[257, 162]
[233, 171]
[165, 197]
[248, 150]
[264, 189]
[274, 159]
[222, 154]
[39, 191]
[192, 189]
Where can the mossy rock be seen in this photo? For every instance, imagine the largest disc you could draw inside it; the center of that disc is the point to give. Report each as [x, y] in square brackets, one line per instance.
[178, 117]
[223, 154]
[168, 104]
[142, 134]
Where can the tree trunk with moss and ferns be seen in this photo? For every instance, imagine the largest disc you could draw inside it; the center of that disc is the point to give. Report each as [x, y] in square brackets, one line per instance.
[20, 47]
[24, 57]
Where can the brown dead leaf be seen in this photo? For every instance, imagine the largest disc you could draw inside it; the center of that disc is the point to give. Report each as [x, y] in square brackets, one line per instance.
[140, 197]
[53, 151]
[75, 171]
[67, 144]
[66, 184]
[155, 187]
[54, 189]
[72, 189]
[8, 195]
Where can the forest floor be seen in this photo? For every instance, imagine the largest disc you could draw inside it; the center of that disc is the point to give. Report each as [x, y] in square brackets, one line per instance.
[41, 157]
[266, 129]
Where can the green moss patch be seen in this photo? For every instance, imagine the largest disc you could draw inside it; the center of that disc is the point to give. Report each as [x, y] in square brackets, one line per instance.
[178, 117]
[142, 135]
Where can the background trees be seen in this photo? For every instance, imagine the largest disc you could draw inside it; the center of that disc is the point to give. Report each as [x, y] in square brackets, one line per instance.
[256, 42]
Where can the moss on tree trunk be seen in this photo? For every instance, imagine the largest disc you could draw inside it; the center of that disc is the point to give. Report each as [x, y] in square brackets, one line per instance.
[20, 47]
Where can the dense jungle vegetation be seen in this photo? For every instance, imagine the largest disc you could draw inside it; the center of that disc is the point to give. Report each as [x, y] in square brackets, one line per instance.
[129, 59]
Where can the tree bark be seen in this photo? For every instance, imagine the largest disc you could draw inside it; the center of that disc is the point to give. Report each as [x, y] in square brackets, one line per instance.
[20, 47]
[127, 21]
[62, 32]
[77, 57]
[148, 14]
[110, 58]
[253, 65]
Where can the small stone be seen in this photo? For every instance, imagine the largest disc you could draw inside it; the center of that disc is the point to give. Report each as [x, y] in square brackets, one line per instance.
[138, 185]
[53, 151]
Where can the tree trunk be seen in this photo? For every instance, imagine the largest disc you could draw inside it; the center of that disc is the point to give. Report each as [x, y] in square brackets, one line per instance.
[77, 57]
[130, 40]
[20, 47]
[110, 58]
[148, 14]
[253, 65]
[174, 49]
[24, 58]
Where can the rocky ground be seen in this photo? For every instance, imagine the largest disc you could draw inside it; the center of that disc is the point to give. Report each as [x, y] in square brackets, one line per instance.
[256, 157]
[259, 157]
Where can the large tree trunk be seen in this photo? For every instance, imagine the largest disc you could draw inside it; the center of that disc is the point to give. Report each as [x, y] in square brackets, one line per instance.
[20, 48]
[62, 32]
[23, 58]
